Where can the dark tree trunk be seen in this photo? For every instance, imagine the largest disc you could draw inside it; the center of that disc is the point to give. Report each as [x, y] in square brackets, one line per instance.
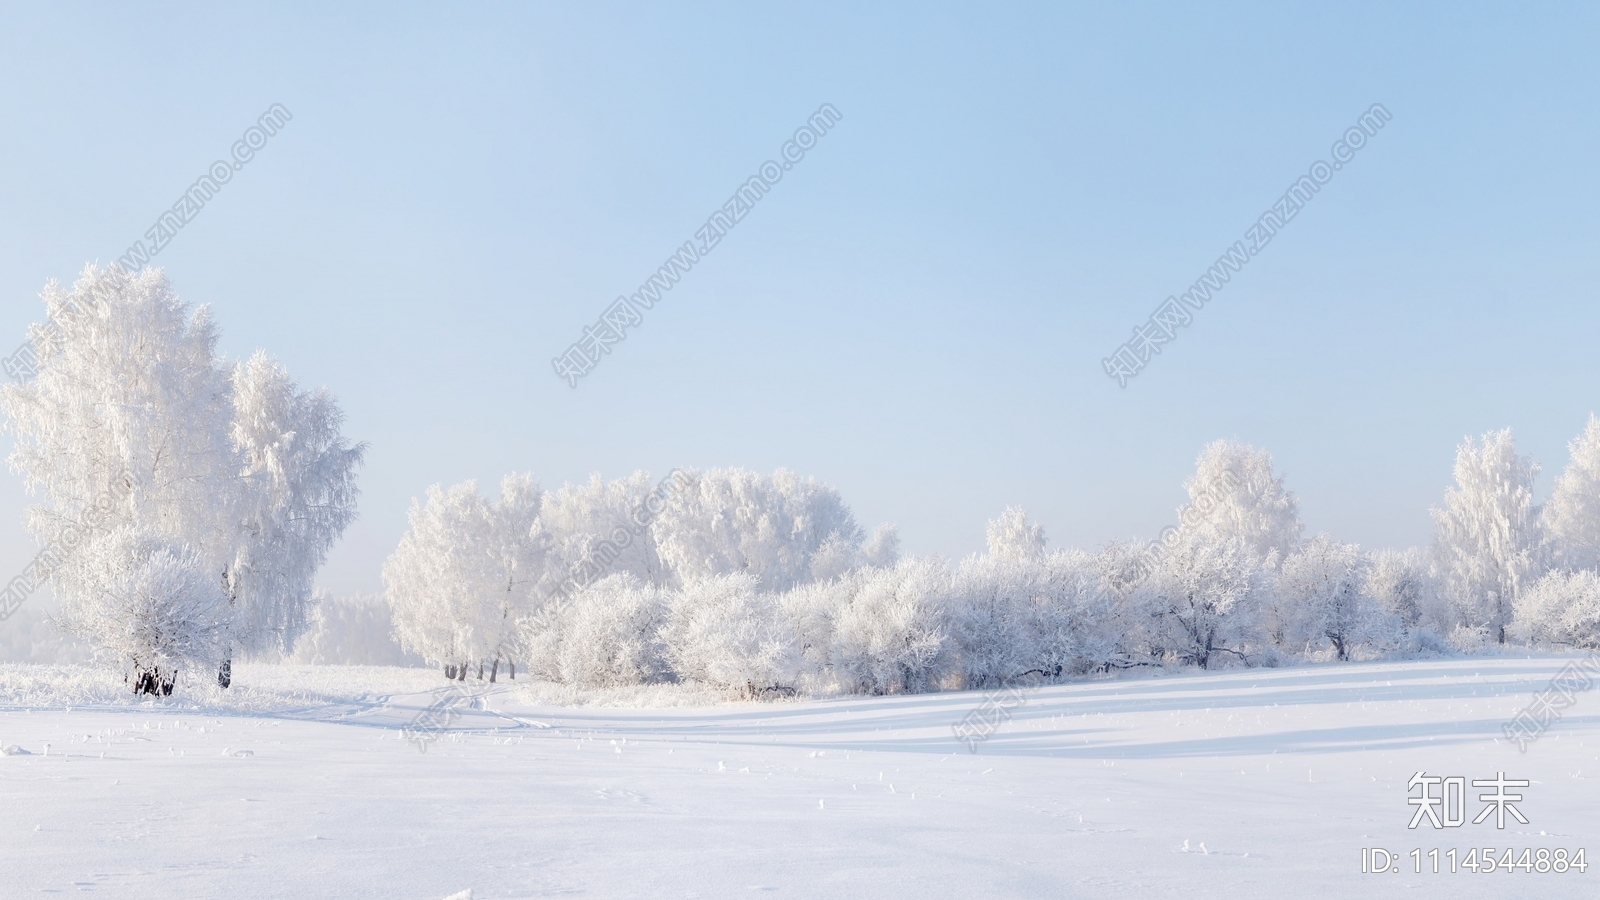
[513, 665]
[480, 670]
[154, 682]
[449, 672]
[461, 672]
[225, 672]
[494, 671]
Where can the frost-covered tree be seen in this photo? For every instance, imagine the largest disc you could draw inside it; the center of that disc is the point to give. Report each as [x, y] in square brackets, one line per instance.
[600, 528]
[297, 490]
[1402, 583]
[1085, 622]
[1014, 538]
[774, 528]
[882, 549]
[518, 563]
[1235, 498]
[1572, 515]
[1201, 598]
[725, 631]
[1486, 537]
[1322, 586]
[1562, 608]
[133, 423]
[1122, 566]
[589, 532]
[464, 574]
[839, 555]
[129, 392]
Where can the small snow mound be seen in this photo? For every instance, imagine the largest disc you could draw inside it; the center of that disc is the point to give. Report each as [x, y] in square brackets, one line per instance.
[14, 750]
[463, 895]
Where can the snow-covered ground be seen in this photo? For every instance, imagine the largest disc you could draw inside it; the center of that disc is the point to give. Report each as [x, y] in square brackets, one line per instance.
[299, 782]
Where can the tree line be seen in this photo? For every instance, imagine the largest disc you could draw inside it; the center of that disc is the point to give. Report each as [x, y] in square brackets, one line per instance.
[187, 502]
[765, 584]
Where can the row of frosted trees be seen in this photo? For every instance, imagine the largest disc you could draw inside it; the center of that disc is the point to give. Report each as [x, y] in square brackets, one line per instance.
[477, 582]
[766, 584]
[187, 502]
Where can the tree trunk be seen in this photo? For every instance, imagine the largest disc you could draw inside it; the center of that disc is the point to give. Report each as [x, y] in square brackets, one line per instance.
[224, 674]
[480, 670]
[513, 664]
[449, 672]
[153, 682]
[461, 672]
[494, 671]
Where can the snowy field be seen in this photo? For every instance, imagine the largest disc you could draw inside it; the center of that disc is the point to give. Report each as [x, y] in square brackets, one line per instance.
[300, 783]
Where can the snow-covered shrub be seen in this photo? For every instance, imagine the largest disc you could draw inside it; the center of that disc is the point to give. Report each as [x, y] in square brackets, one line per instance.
[1562, 608]
[992, 620]
[356, 630]
[1320, 593]
[1016, 616]
[611, 637]
[891, 634]
[813, 611]
[1487, 541]
[151, 605]
[727, 632]
[539, 638]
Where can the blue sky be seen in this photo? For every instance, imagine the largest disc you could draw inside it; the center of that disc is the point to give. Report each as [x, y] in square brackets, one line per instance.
[917, 312]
